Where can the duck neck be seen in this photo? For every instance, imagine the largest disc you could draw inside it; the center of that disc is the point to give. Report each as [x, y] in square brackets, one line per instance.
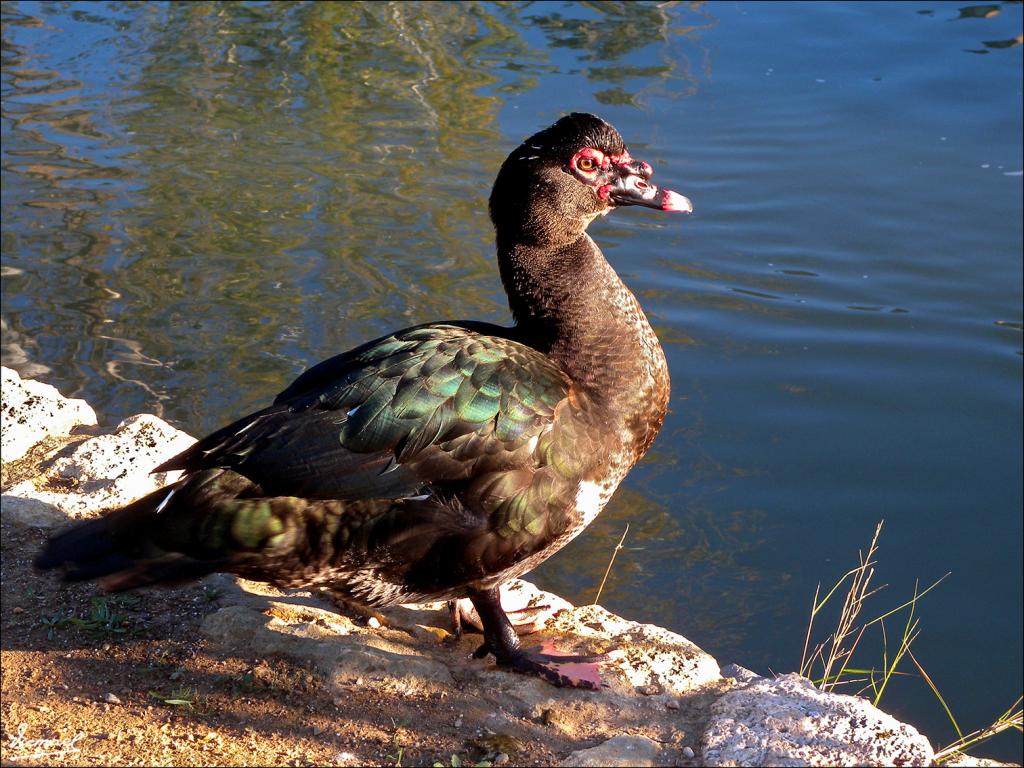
[569, 303]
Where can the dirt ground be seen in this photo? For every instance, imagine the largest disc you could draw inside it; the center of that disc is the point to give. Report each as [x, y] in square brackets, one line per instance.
[94, 679]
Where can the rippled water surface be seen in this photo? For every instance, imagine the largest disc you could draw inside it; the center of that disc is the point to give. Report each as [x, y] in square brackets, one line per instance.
[200, 200]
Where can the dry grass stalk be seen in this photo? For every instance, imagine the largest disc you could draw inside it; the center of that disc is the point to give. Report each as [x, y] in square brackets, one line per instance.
[1011, 718]
[859, 591]
[834, 653]
[609, 568]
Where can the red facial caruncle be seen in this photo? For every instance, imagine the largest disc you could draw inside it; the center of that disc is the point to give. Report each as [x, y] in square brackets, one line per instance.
[620, 180]
[590, 163]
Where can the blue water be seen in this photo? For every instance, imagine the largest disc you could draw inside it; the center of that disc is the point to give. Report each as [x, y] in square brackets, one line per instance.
[201, 200]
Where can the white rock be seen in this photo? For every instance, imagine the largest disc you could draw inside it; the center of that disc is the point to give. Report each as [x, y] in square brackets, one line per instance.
[347, 658]
[31, 512]
[104, 472]
[789, 722]
[617, 751]
[33, 411]
[645, 656]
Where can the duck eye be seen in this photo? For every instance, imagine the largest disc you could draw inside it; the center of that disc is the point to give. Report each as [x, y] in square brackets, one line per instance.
[586, 164]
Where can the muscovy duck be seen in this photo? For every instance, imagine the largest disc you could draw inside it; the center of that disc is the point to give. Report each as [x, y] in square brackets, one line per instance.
[442, 460]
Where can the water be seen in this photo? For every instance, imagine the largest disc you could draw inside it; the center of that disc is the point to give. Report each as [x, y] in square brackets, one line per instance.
[200, 200]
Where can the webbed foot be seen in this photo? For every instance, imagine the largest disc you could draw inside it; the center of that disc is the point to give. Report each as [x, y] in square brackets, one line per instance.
[559, 669]
[500, 639]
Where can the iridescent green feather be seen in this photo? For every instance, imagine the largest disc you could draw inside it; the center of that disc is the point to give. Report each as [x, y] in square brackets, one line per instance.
[387, 419]
[482, 377]
[444, 382]
[415, 401]
[475, 405]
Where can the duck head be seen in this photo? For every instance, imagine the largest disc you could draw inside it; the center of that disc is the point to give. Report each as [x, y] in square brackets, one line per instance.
[559, 180]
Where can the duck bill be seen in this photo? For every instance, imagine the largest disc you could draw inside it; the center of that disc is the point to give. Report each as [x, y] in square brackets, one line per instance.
[633, 189]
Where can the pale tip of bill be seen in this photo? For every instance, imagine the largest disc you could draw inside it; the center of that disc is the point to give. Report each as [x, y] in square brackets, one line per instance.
[673, 201]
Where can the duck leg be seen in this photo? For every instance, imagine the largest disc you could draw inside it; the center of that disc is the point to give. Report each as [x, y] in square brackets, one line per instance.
[500, 638]
[526, 617]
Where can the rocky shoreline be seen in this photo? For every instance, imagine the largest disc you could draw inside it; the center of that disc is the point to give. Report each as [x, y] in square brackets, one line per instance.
[667, 702]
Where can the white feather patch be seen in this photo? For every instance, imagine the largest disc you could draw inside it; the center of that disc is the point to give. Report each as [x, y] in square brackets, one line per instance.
[590, 498]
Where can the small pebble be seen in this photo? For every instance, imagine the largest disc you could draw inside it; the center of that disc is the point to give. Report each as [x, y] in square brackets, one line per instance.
[373, 622]
[111, 699]
[500, 759]
[672, 704]
[688, 753]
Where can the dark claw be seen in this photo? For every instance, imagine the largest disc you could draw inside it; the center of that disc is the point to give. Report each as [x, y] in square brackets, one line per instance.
[557, 658]
[554, 669]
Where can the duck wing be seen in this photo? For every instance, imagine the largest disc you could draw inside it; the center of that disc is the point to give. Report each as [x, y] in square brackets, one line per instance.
[395, 418]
